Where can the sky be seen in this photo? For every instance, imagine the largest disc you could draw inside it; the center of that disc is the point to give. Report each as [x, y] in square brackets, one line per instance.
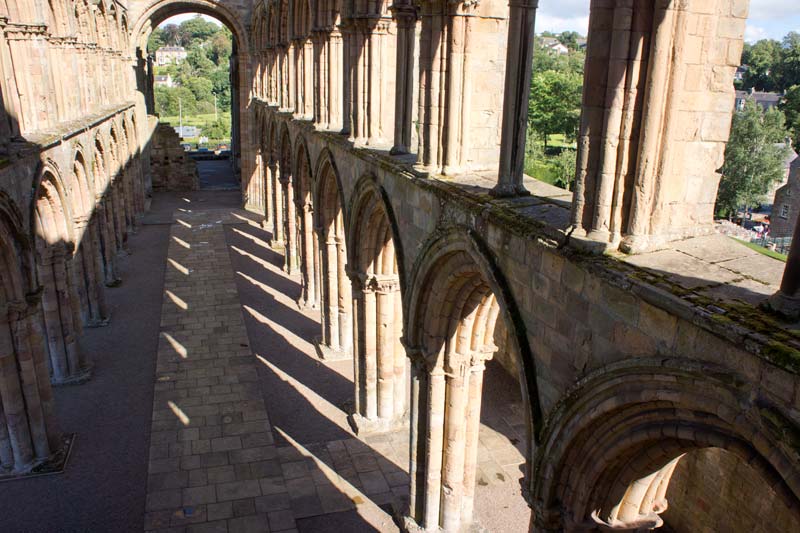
[768, 18]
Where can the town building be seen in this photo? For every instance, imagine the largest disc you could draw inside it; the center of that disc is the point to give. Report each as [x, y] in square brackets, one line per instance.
[170, 55]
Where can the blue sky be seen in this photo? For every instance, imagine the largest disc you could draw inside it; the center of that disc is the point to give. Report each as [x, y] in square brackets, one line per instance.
[768, 18]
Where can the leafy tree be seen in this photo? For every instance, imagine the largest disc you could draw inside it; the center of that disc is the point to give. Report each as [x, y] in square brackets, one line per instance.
[754, 158]
[569, 39]
[171, 35]
[761, 59]
[201, 88]
[156, 40]
[555, 103]
[197, 30]
[787, 71]
[201, 64]
[220, 129]
[564, 165]
[170, 99]
[791, 108]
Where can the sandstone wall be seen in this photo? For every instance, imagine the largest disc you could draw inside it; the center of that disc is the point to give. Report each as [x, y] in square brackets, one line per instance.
[172, 169]
[712, 490]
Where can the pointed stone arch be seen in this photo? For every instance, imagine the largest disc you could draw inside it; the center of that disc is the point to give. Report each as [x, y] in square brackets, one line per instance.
[458, 296]
[308, 246]
[376, 259]
[331, 224]
[55, 246]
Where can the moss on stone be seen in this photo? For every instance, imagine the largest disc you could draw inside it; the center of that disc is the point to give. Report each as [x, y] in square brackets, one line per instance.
[782, 355]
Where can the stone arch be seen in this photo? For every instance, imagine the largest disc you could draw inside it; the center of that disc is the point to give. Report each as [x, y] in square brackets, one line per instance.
[336, 306]
[610, 446]
[308, 245]
[160, 10]
[381, 366]
[28, 433]
[458, 295]
[89, 255]
[55, 245]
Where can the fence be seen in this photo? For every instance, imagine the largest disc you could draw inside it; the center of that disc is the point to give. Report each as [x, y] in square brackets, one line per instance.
[778, 244]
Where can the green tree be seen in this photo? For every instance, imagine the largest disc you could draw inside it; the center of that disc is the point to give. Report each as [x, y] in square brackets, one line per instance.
[197, 30]
[787, 71]
[221, 48]
[555, 104]
[564, 166]
[170, 99]
[754, 158]
[218, 130]
[156, 40]
[171, 34]
[761, 59]
[791, 108]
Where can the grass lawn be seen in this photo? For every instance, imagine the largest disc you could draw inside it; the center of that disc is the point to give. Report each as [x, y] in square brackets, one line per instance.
[540, 170]
[559, 141]
[195, 120]
[762, 250]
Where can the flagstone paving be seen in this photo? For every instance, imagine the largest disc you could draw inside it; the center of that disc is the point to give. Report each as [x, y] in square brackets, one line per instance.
[249, 428]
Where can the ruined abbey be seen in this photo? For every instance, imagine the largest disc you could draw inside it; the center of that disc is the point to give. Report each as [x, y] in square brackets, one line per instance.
[380, 147]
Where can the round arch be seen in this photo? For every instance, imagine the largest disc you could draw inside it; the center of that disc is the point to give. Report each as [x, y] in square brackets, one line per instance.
[610, 446]
[160, 10]
[456, 298]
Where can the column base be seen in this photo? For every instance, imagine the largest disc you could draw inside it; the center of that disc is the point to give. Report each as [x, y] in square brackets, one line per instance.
[276, 245]
[55, 464]
[79, 378]
[306, 306]
[508, 190]
[363, 426]
[326, 353]
[786, 306]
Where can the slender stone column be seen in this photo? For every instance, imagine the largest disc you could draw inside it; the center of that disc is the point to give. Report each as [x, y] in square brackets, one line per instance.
[345, 298]
[519, 63]
[418, 425]
[473, 424]
[107, 244]
[327, 43]
[330, 322]
[94, 258]
[306, 48]
[405, 16]
[266, 176]
[454, 447]
[309, 297]
[290, 237]
[434, 446]
[80, 273]
[277, 202]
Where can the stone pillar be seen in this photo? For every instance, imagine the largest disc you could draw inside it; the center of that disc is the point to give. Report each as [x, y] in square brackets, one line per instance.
[290, 225]
[328, 78]
[519, 65]
[656, 115]
[787, 300]
[309, 297]
[443, 498]
[107, 244]
[461, 68]
[266, 177]
[345, 298]
[277, 202]
[380, 377]
[370, 91]
[28, 432]
[330, 314]
[405, 16]
[68, 364]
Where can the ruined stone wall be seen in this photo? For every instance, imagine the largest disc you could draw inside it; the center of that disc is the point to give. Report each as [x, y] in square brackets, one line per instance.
[580, 317]
[171, 167]
[712, 490]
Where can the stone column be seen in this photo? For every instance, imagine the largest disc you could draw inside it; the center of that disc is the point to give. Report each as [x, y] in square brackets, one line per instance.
[266, 177]
[28, 432]
[290, 227]
[309, 298]
[106, 241]
[380, 380]
[327, 65]
[405, 16]
[330, 318]
[787, 300]
[370, 92]
[519, 65]
[306, 50]
[345, 300]
[277, 202]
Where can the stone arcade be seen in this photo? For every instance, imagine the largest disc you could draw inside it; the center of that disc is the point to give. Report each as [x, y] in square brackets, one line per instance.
[382, 144]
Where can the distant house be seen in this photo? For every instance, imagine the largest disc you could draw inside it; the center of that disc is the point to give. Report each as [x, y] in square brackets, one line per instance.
[170, 55]
[740, 72]
[163, 81]
[786, 206]
[765, 100]
[187, 131]
[787, 165]
[554, 45]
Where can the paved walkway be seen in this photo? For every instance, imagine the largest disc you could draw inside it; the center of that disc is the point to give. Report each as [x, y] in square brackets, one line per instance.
[249, 427]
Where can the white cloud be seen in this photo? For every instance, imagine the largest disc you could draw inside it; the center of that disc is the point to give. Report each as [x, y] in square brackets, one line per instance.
[559, 24]
[754, 33]
[177, 19]
[773, 9]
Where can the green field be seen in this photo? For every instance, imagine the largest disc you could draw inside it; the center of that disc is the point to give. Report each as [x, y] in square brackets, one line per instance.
[194, 120]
